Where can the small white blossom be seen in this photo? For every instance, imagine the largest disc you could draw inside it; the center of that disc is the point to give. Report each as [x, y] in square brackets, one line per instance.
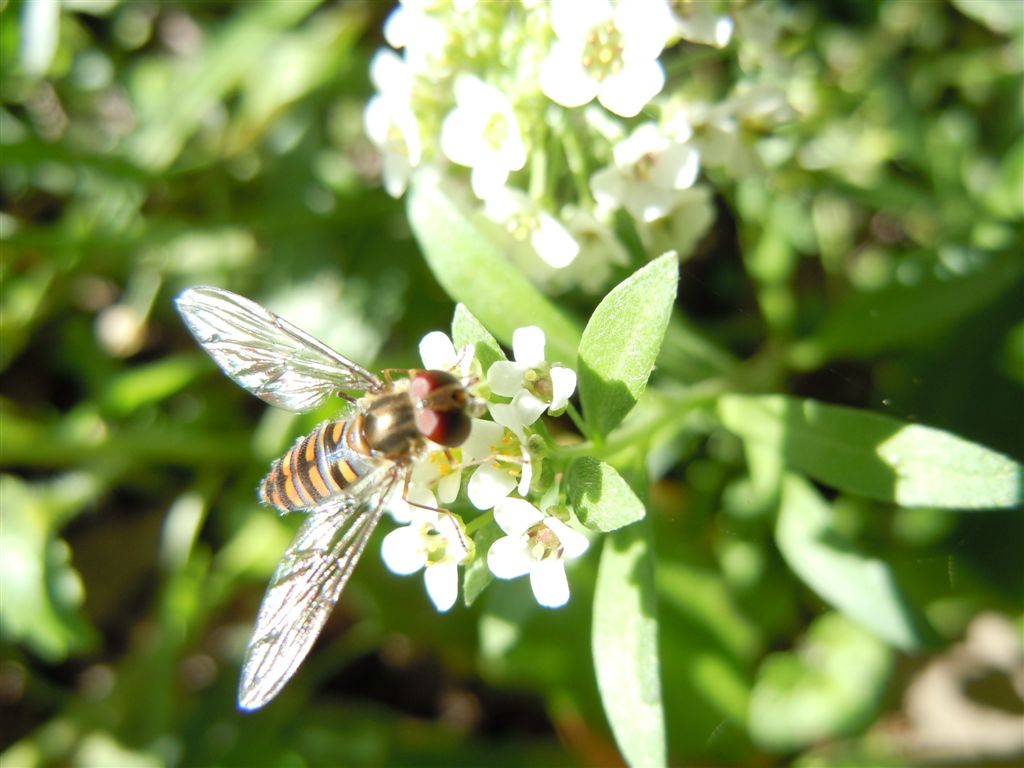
[390, 122]
[423, 36]
[533, 383]
[607, 51]
[435, 542]
[600, 250]
[503, 464]
[692, 214]
[438, 353]
[649, 168]
[482, 133]
[699, 22]
[536, 545]
[540, 233]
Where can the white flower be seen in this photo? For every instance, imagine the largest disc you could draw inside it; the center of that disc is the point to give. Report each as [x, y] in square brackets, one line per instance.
[533, 383]
[699, 22]
[503, 464]
[536, 545]
[649, 168]
[438, 353]
[436, 542]
[600, 249]
[537, 230]
[424, 37]
[482, 133]
[390, 122]
[681, 229]
[607, 51]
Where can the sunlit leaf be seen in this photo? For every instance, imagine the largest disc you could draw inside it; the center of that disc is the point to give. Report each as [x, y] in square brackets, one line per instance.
[863, 588]
[602, 499]
[622, 340]
[625, 645]
[466, 329]
[875, 456]
[42, 593]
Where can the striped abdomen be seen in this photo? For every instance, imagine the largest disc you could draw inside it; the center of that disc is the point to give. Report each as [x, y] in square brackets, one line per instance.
[321, 465]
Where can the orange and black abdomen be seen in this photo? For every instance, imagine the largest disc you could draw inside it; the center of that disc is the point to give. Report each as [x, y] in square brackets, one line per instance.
[320, 466]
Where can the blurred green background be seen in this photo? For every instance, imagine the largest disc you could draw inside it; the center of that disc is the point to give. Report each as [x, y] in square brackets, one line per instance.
[146, 147]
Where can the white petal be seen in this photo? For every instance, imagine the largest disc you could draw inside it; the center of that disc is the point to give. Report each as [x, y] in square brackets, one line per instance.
[508, 416]
[484, 437]
[645, 26]
[448, 487]
[563, 384]
[648, 202]
[573, 542]
[563, 78]
[456, 546]
[437, 351]
[505, 378]
[608, 188]
[402, 550]
[677, 167]
[528, 346]
[460, 137]
[442, 582]
[528, 406]
[627, 92]
[487, 178]
[507, 558]
[515, 516]
[553, 243]
[550, 586]
[526, 476]
[572, 20]
[390, 73]
[400, 510]
[488, 485]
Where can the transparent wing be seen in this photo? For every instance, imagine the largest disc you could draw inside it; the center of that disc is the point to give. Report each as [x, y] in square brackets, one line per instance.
[307, 584]
[268, 356]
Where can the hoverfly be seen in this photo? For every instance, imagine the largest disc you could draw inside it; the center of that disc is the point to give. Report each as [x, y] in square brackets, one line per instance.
[342, 474]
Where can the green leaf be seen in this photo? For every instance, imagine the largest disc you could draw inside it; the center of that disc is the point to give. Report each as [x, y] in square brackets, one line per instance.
[901, 315]
[602, 499]
[862, 588]
[831, 686]
[42, 593]
[470, 266]
[875, 456]
[477, 575]
[622, 341]
[466, 329]
[625, 647]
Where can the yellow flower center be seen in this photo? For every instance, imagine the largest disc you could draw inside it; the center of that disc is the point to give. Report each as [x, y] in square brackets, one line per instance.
[602, 53]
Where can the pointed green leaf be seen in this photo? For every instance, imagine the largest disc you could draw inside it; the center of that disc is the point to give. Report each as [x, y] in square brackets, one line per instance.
[863, 588]
[625, 646]
[622, 341]
[875, 456]
[470, 266]
[466, 329]
[601, 498]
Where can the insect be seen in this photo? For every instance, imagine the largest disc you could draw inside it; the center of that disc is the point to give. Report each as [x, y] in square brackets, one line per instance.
[342, 474]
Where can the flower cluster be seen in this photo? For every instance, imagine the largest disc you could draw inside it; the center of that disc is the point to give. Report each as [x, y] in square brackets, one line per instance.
[507, 95]
[500, 466]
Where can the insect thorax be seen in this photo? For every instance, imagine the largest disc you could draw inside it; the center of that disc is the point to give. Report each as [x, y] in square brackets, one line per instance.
[389, 425]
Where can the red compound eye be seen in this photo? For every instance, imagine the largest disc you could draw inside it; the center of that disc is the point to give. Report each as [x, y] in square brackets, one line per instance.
[440, 407]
